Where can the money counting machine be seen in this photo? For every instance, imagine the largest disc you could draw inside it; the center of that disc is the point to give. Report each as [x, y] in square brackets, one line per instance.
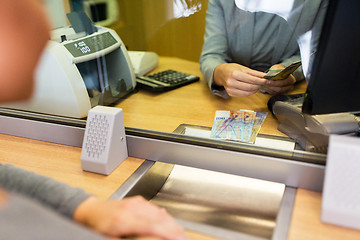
[79, 70]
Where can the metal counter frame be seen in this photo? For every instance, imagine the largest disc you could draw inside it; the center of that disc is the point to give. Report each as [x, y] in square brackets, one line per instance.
[266, 164]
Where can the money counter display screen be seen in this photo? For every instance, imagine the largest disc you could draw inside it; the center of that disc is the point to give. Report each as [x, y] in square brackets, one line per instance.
[90, 45]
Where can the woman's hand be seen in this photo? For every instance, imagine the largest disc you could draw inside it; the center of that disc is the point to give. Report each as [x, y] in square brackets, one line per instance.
[128, 217]
[274, 87]
[238, 80]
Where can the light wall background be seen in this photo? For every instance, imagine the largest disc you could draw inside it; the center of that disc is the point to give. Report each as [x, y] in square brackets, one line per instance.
[167, 27]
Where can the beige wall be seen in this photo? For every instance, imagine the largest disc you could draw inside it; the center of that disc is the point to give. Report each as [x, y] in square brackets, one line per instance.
[66, 5]
[149, 25]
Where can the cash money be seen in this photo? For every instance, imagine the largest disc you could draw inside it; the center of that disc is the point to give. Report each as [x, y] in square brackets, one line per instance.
[237, 125]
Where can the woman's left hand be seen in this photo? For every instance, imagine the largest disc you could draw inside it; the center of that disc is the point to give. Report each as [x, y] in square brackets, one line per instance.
[275, 87]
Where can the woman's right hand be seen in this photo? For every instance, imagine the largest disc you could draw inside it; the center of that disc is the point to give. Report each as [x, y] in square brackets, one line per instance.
[238, 80]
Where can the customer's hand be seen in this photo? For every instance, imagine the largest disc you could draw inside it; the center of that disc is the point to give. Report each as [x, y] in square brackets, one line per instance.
[238, 80]
[274, 87]
[3, 198]
[128, 217]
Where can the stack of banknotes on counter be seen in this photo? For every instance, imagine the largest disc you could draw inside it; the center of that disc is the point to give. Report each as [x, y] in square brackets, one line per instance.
[242, 125]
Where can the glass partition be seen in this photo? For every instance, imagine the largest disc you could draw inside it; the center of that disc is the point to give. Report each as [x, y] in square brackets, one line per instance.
[183, 33]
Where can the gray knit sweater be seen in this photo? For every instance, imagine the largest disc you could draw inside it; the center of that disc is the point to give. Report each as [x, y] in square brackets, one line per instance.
[39, 207]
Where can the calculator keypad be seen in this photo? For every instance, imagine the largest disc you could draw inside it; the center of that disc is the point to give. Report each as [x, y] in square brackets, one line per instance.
[166, 80]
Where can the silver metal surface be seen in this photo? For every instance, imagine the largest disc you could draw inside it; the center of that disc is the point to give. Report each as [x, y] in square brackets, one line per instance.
[292, 173]
[152, 181]
[44, 131]
[126, 187]
[284, 215]
[211, 200]
[214, 231]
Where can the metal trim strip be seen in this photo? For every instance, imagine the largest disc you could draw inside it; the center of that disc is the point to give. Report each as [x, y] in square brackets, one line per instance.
[284, 215]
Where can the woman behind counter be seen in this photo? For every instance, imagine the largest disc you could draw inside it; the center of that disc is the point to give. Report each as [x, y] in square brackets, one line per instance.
[239, 46]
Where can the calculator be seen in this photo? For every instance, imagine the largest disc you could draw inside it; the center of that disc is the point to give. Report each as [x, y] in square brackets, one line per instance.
[165, 80]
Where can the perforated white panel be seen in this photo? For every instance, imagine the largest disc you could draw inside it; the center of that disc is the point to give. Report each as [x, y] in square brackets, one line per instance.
[97, 137]
[104, 145]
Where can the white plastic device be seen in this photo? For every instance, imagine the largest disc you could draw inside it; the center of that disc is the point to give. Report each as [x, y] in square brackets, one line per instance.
[104, 145]
[341, 194]
[143, 62]
[60, 81]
